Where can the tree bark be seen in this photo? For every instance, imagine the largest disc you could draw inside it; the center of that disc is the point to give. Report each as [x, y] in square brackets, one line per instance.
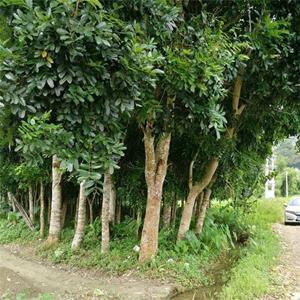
[49, 211]
[112, 203]
[138, 222]
[202, 212]
[42, 210]
[105, 213]
[194, 192]
[55, 218]
[9, 195]
[118, 212]
[79, 232]
[64, 209]
[199, 202]
[91, 213]
[31, 204]
[174, 213]
[167, 210]
[156, 164]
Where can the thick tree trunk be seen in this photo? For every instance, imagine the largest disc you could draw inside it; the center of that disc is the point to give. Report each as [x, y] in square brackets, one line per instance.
[31, 204]
[105, 213]
[42, 210]
[156, 164]
[167, 211]
[55, 218]
[112, 203]
[202, 212]
[194, 192]
[64, 209]
[80, 218]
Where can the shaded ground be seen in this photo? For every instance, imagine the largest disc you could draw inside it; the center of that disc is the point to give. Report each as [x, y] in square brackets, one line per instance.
[20, 273]
[287, 273]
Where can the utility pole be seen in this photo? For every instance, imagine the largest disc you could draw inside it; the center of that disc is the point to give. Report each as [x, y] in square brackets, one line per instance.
[286, 184]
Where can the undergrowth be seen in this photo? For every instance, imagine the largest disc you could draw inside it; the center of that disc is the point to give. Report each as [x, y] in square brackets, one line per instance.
[227, 232]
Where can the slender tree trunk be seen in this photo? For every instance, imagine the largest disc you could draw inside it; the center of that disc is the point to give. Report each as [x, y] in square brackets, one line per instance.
[202, 212]
[55, 218]
[112, 203]
[91, 213]
[49, 211]
[118, 212]
[64, 209]
[42, 210]
[174, 213]
[105, 213]
[138, 222]
[194, 192]
[156, 164]
[31, 204]
[167, 210]
[76, 210]
[80, 218]
[196, 189]
[21, 210]
[10, 199]
[199, 201]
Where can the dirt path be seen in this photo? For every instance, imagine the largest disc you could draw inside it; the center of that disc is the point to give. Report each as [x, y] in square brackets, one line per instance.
[287, 273]
[18, 274]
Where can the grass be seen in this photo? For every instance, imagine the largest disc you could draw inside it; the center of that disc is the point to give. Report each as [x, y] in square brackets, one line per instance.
[251, 278]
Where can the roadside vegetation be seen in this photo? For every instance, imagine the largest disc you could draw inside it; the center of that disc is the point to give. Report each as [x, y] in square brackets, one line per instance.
[239, 245]
[251, 277]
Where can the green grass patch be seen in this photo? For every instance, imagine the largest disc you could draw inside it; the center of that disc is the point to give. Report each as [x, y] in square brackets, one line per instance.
[251, 277]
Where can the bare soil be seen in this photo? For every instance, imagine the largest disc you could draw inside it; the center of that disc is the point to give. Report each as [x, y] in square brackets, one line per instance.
[20, 272]
[287, 272]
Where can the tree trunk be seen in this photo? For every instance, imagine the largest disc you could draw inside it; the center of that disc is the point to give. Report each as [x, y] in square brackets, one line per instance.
[202, 212]
[64, 209]
[91, 213]
[199, 201]
[138, 222]
[9, 195]
[195, 189]
[22, 211]
[55, 218]
[167, 210]
[194, 192]
[105, 213]
[156, 164]
[80, 218]
[49, 211]
[112, 203]
[174, 213]
[42, 210]
[118, 212]
[31, 204]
